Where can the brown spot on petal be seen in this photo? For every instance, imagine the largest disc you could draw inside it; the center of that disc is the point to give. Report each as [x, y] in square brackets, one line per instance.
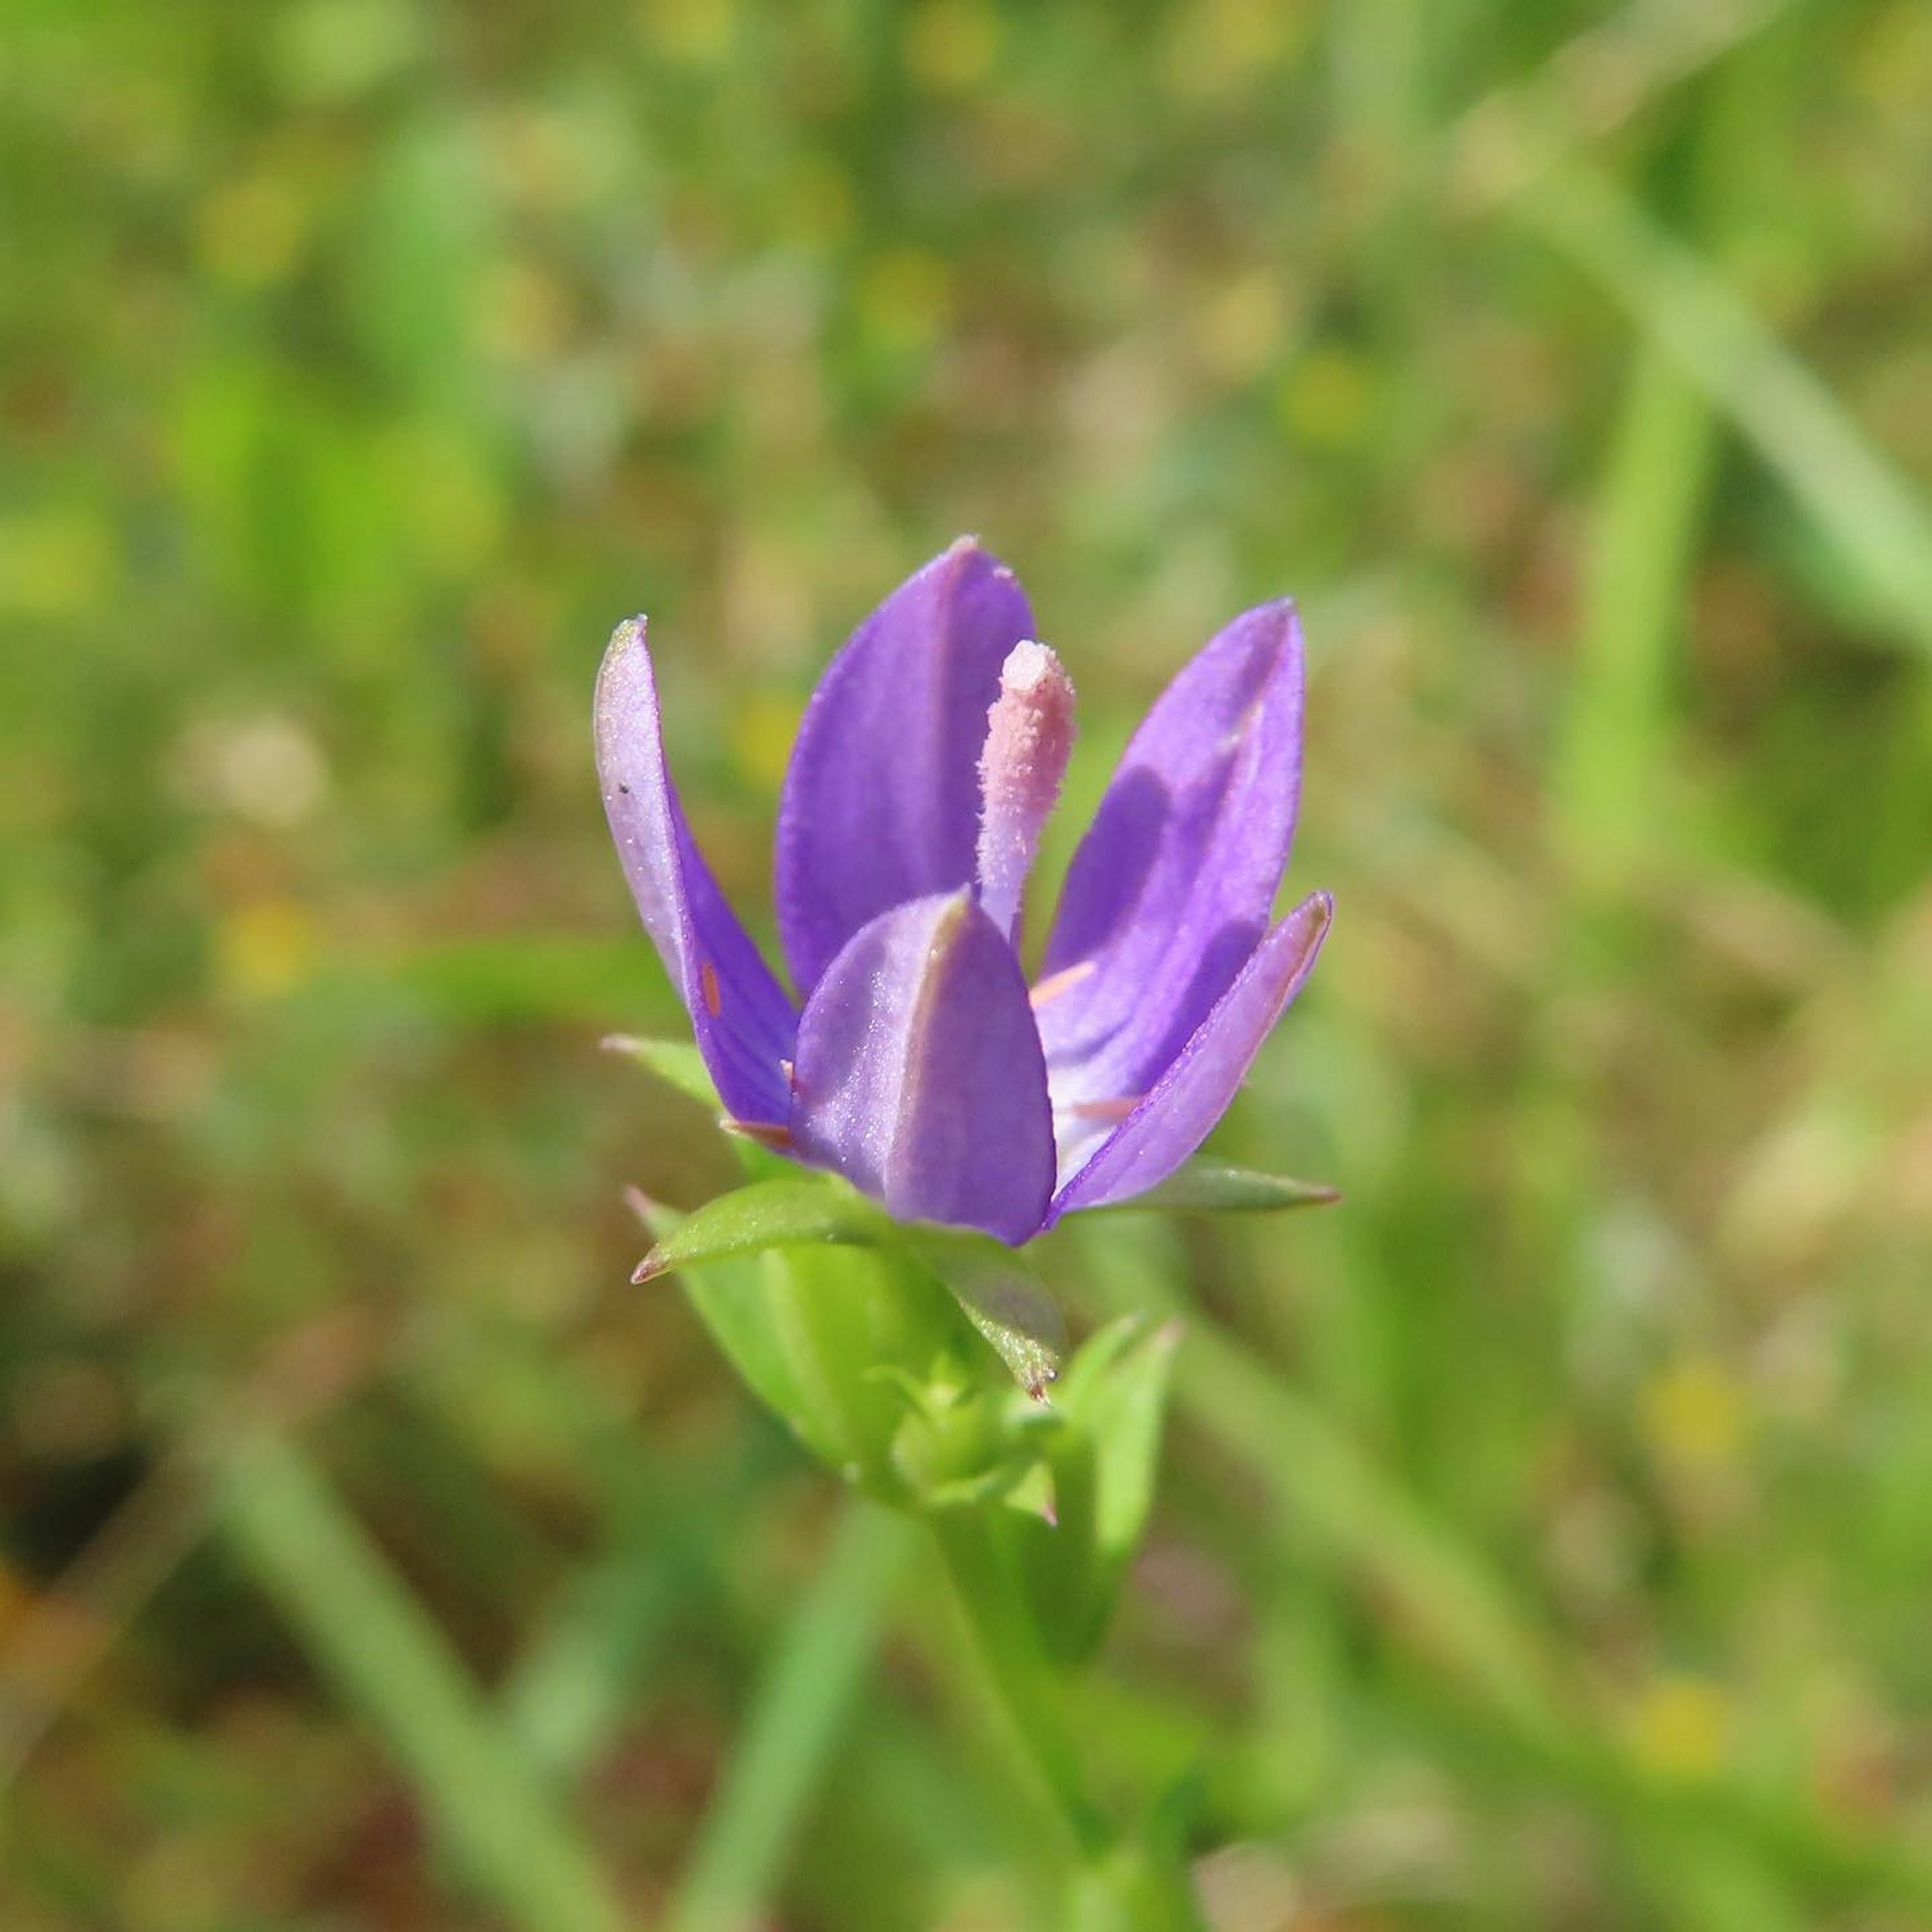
[707, 981]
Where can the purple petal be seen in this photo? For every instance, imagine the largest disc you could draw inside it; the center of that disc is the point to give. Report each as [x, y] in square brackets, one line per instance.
[919, 1073]
[1170, 890]
[1184, 1105]
[744, 1023]
[881, 800]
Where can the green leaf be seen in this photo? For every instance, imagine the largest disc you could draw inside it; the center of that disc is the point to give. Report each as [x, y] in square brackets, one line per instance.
[788, 1210]
[1005, 1301]
[1199, 1188]
[1104, 1462]
[676, 1062]
[1124, 1415]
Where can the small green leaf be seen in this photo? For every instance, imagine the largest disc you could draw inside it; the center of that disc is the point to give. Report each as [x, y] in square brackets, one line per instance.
[789, 1210]
[1124, 1412]
[1006, 1301]
[1104, 1463]
[1200, 1189]
[677, 1063]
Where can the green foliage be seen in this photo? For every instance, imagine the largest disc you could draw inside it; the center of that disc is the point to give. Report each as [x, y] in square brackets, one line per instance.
[1539, 1535]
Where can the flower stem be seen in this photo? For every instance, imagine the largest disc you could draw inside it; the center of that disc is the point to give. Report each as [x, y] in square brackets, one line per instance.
[1009, 1643]
[1136, 1882]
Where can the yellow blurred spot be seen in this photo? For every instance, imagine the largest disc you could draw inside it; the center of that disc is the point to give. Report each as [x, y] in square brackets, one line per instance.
[55, 562]
[817, 201]
[546, 157]
[693, 33]
[523, 312]
[266, 947]
[1694, 1414]
[455, 504]
[1241, 325]
[1680, 1726]
[904, 295]
[1226, 44]
[762, 731]
[951, 45]
[252, 231]
[1325, 398]
[335, 49]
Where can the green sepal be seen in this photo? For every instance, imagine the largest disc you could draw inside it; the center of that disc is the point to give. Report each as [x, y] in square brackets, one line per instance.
[1202, 1188]
[1003, 1298]
[677, 1063]
[789, 1210]
[733, 1300]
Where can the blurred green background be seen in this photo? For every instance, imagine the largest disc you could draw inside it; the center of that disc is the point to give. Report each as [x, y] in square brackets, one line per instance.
[1545, 1539]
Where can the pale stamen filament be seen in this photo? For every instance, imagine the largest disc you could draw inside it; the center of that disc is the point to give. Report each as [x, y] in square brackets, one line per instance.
[1050, 988]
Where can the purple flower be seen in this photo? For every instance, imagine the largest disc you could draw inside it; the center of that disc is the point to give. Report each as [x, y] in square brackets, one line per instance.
[922, 1067]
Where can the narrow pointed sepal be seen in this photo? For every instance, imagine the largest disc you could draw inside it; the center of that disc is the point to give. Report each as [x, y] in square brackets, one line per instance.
[919, 1075]
[1006, 1301]
[1182, 1107]
[1203, 1187]
[792, 1210]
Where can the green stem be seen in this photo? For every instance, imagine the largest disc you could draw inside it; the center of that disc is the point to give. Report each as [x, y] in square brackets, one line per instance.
[816, 1677]
[1009, 1644]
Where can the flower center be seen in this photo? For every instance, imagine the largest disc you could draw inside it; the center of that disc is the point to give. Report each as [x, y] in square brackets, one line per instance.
[1029, 736]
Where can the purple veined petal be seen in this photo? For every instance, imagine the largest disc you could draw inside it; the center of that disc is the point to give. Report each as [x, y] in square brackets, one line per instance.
[1180, 1109]
[881, 799]
[919, 1075]
[743, 1021]
[1170, 890]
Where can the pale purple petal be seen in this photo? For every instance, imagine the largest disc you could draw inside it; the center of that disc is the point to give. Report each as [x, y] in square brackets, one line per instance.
[919, 1075]
[1170, 890]
[881, 799]
[743, 1021]
[1183, 1105]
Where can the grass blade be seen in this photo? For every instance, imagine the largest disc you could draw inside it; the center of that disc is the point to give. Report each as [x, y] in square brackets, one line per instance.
[819, 1671]
[1874, 518]
[372, 1640]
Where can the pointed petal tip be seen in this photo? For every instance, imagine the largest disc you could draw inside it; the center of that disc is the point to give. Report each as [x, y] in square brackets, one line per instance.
[969, 544]
[652, 1265]
[624, 640]
[1182, 1107]
[1318, 910]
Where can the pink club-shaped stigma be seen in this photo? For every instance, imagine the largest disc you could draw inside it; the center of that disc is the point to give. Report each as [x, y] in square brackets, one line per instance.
[928, 761]
[1029, 740]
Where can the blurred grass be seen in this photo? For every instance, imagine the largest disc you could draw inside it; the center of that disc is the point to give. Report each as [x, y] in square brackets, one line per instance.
[1544, 1537]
